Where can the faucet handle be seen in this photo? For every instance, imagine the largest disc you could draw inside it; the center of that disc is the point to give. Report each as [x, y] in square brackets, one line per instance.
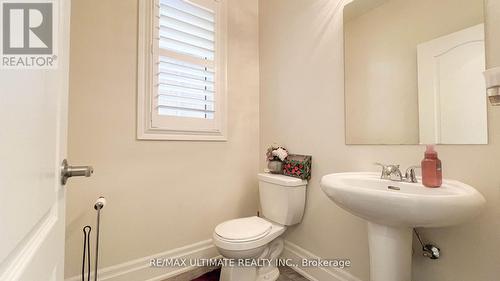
[389, 170]
[384, 169]
[410, 174]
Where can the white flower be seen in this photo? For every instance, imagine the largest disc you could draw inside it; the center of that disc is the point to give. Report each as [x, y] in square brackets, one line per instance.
[280, 153]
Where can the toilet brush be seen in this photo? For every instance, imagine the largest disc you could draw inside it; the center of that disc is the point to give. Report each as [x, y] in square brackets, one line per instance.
[99, 204]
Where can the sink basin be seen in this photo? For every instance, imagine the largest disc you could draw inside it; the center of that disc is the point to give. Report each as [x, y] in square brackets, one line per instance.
[400, 203]
[392, 209]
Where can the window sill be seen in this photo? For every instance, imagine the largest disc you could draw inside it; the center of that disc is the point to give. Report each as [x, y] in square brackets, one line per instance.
[158, 135]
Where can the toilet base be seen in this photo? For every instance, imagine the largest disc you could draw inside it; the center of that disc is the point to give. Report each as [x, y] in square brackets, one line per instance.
[253, 273]
[270, 276]
[248, 274]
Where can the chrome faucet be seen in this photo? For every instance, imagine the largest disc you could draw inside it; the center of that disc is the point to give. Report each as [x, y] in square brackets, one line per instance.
[410, 174]
[393, 173]
[390, 171]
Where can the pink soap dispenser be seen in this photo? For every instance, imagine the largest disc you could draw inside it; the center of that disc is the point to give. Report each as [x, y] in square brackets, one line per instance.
[432, 175]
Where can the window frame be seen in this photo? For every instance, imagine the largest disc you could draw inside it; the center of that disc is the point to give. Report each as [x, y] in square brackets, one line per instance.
[169, 127]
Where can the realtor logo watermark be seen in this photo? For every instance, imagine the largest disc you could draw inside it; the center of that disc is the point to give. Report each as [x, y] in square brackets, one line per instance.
[28, 34]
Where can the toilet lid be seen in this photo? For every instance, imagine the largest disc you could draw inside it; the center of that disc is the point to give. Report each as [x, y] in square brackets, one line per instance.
[244, 229]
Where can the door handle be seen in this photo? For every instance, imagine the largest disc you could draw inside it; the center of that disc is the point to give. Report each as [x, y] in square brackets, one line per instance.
[68, 171]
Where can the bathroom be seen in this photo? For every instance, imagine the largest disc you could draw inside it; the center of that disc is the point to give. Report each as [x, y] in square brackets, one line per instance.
[165, 194]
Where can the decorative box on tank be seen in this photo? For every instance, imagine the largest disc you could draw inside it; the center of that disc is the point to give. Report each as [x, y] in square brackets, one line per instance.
[298, 166]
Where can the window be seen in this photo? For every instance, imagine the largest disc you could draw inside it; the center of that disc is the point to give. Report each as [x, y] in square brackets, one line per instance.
[181, 70]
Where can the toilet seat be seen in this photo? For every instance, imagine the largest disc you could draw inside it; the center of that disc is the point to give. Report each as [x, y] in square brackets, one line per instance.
[243, 229]
[246, 233]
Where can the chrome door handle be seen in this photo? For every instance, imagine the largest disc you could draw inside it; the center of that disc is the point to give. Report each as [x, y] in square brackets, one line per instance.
[74, 171]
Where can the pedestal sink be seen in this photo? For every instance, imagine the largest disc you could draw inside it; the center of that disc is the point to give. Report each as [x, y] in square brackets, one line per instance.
[393, 209]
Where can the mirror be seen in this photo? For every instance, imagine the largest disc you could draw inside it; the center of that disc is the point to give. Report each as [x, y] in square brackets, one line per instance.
[414, 72]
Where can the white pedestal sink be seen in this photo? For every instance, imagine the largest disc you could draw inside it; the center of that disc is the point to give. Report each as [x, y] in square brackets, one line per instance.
[393, 209]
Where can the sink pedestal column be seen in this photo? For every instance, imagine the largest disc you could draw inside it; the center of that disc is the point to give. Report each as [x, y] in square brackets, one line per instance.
[390, 252]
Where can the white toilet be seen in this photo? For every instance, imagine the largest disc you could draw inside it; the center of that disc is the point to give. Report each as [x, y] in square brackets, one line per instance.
[282, 201]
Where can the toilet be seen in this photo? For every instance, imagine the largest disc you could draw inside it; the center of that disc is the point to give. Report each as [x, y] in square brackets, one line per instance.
[244, 240]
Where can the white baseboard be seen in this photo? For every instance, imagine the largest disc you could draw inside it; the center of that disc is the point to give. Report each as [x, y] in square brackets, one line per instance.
[297, 254]
[140, 269]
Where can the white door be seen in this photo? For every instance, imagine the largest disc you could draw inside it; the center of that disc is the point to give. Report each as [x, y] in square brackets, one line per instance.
[451, 87]
[33, 106]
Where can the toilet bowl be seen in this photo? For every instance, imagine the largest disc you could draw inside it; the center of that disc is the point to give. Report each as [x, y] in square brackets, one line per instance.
[249, 239]
[253, 244]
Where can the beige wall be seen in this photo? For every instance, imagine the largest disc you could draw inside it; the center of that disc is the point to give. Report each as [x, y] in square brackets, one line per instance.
[492, 33]
[161, 195]
[302, 107]
[150, 210]
[381, 64]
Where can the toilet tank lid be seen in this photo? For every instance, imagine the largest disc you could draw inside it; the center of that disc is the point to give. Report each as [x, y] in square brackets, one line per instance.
[281, 180]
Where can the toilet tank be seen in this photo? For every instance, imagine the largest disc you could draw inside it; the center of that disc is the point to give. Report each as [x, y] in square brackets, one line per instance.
[282, 198]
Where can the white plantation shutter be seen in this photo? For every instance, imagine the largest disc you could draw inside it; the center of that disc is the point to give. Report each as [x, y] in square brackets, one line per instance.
[186, 52]
[187, 92]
